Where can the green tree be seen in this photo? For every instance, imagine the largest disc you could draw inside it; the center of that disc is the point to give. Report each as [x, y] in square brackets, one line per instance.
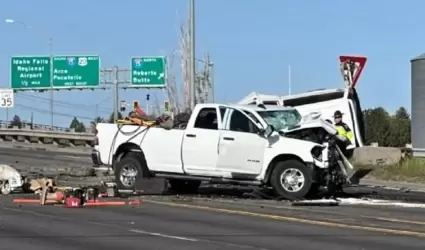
[74, 123]
[81, 128]
[16, 121]
[402, 114]
[388, 130]
[95, 122]
[377, 126]
[111, 117]
[77, 125]
[400, 128]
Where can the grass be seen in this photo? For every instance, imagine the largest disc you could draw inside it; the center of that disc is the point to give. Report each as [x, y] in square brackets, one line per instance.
[408, 170]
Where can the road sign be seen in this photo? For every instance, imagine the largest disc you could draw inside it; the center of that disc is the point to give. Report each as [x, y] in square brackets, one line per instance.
[30, 72]
[148, 72]
[7, 98]
[76, 71]
[355, 64]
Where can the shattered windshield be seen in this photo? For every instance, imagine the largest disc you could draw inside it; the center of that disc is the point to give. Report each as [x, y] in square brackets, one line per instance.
[281, 119]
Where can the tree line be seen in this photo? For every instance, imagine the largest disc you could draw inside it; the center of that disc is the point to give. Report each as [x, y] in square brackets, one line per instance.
[388, 130]
[79, 126]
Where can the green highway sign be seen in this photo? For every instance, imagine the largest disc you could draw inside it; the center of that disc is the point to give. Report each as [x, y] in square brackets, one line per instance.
[76, 71]
[30, 72]
[148, 72]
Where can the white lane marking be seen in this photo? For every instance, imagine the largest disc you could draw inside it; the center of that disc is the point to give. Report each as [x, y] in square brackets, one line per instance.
[162, 235]
[354, 201]
[194, 240]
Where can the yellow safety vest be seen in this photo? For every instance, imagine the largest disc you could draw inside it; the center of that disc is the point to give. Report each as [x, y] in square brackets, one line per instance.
[344, 130]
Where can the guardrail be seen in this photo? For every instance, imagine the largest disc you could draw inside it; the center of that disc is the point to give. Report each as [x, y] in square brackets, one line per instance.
[27, 125]
[42, 134]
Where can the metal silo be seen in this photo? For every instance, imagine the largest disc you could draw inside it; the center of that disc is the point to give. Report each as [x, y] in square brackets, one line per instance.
[418, 105]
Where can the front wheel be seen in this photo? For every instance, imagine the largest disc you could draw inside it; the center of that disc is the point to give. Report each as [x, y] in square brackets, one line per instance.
[291, 179]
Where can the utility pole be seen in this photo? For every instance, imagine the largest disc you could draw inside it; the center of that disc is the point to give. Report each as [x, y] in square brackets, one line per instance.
[212, 82]
[115, 89]
[192, 55]
[289, 80]
[51, 82]
[112, 76]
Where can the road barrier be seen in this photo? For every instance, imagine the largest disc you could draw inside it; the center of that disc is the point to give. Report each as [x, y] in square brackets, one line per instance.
[42, 134]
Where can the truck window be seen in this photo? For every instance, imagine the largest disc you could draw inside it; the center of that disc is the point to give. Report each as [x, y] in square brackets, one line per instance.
[207, 119]
[240, 123]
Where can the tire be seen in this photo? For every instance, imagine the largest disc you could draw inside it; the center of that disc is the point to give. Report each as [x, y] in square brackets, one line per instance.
[131, 163]
[5, 188]
[184, 186]
[292, 192]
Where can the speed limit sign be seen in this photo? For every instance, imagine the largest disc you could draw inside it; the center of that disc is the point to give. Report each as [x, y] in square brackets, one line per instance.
[6, 98]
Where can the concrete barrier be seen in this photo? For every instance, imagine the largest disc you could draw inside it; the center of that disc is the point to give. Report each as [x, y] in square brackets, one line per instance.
[60, 138]
[370, 155]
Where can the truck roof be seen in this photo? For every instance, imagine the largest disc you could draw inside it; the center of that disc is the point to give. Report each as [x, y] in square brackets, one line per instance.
[268, 107]
[247, 107]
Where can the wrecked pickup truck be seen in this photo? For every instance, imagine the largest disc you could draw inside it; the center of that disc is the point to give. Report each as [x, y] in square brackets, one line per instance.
[222, 144]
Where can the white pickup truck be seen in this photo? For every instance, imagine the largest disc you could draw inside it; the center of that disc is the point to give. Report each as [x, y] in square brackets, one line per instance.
[223, 144]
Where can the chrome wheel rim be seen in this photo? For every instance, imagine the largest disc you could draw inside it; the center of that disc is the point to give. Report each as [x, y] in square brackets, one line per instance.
[128, 175]
[292, 180]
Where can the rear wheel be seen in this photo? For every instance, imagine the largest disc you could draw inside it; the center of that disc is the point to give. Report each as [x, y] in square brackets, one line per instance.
[291, 179]
[184, 186]
[130, 168]
[5, 188]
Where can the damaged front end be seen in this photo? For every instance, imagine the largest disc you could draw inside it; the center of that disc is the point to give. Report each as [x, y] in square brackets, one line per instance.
[332, 168]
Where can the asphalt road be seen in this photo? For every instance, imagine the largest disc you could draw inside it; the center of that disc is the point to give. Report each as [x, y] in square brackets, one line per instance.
[31, 159]
[161, 223]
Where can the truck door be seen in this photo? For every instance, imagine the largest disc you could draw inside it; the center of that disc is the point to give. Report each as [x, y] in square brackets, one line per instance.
[200, 142]
[241, 148]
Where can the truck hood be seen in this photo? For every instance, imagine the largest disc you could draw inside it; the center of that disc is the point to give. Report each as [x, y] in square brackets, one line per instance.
[312, 120]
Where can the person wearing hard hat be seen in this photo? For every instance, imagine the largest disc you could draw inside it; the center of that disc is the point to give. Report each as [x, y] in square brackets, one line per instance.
[341, 127]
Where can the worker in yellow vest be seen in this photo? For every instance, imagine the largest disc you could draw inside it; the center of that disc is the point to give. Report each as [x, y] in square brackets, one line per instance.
[341, 127]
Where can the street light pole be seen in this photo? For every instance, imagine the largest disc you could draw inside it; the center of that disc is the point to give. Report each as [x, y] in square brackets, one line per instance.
[212, 82]
[51, 82]
[192, 55]
[12, 21]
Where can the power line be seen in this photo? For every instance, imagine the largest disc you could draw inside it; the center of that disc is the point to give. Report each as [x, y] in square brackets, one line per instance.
[68, 104]
[43, 111]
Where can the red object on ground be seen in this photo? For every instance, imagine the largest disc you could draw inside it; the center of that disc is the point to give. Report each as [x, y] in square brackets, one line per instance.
[360, 61]
[140, 111]
[72, 202]
[23, 200]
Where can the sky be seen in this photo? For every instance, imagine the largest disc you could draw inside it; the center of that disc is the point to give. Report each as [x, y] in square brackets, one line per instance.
[251, 43]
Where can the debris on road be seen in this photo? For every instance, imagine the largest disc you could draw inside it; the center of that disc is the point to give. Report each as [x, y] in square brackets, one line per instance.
[10, 179]
[320, 202]
[36, 185]
[71, 197]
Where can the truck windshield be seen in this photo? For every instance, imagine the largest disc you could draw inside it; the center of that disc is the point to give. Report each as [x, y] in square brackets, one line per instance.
[281, 119]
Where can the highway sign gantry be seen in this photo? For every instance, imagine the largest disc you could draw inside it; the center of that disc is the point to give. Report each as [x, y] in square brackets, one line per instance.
[7, 98]
[76, 71]
[148, 72]
[30, 72]
[69, 72]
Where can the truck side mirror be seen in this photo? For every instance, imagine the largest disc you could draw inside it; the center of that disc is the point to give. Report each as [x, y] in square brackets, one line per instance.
[268, 131]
